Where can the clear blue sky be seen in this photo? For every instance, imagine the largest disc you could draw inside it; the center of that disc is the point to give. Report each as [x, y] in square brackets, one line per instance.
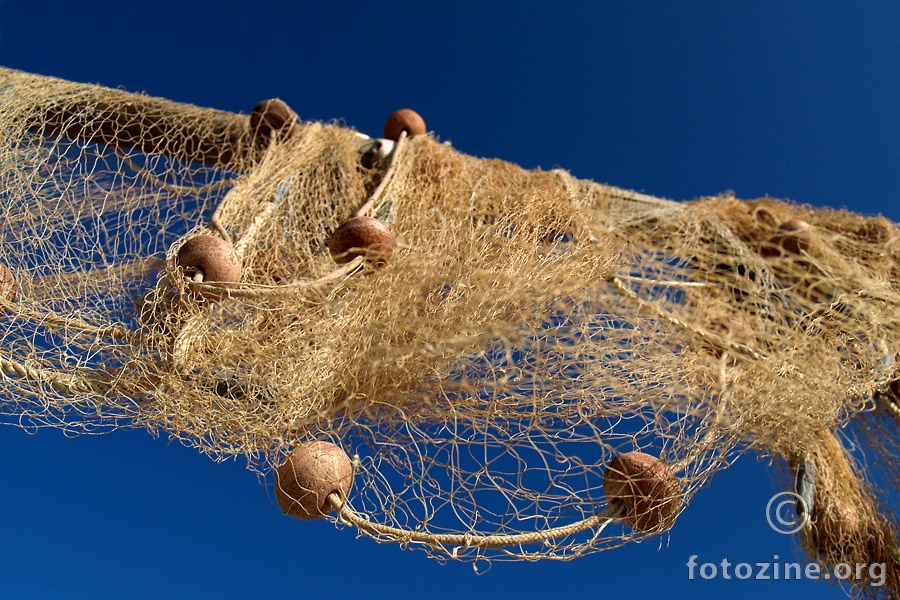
[796, 100]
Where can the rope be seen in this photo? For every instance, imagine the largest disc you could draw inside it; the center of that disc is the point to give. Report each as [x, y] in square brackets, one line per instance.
[240, 248]
[388, 175]
[64, 382]
[216, 227]
[658, 283]
[890, 406]
[55, 323]
[189, 332]
[256, 290]
[468, 540]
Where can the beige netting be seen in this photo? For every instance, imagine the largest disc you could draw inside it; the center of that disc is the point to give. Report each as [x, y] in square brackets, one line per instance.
[526, 329]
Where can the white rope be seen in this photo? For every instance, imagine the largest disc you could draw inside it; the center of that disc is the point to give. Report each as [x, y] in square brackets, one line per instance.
[61, 381]
[470, 540]
[375, 201]
[56, 323]
[256, 290]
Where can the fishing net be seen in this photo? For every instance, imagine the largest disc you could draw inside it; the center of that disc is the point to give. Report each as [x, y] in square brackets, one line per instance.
[525, 365]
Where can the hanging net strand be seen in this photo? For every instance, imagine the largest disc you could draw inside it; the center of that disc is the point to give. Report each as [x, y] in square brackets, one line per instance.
[495, 363]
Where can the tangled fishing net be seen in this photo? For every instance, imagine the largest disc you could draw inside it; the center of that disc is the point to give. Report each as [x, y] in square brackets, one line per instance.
[449, 352]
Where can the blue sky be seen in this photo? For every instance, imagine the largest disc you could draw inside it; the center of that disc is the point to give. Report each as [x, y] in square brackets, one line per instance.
[796, 100]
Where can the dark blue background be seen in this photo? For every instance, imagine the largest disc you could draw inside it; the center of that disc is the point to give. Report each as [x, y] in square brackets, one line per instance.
[791, 99]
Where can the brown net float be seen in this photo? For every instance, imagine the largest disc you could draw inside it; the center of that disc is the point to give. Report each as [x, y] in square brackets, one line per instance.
[312, 472]
[361, 236]
[272, 116]
[647, 490]
[405, 121]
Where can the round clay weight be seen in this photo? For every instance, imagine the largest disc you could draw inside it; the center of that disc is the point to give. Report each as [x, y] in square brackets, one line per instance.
[793, 237]
[406, 120]
[212, 257]
[647, 489]
[796, 235]
[271, 115]
[8, 286]
[312, 472]
[361, 236]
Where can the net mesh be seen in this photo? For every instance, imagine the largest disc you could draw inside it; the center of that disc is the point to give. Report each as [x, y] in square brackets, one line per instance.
[527, 328]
